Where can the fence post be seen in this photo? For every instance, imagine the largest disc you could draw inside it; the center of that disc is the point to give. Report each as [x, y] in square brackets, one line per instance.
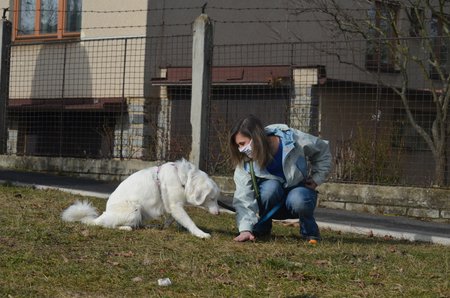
[202, 47]
[5, 42]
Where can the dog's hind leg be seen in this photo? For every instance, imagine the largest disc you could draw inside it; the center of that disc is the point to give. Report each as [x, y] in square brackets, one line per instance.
[168, 222]
[180, 215]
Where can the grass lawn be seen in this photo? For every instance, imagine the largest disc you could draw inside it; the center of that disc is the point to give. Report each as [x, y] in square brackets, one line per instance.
[41, 256]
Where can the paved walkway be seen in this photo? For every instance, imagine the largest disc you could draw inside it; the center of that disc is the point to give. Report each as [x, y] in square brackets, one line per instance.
[396, 227]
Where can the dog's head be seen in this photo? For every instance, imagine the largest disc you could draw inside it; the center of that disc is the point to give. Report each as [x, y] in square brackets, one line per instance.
[202, 191]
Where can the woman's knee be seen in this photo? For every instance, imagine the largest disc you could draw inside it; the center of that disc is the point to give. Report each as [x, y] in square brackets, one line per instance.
[301, 201]
[271, 190]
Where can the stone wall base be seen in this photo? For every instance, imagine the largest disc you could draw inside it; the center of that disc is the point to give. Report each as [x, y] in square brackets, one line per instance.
[421, 203]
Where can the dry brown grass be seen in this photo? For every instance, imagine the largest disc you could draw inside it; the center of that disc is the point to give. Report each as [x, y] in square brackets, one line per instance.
[41, 256]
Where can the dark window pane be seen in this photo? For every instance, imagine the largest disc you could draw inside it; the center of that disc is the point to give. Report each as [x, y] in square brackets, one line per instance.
[441, 47]
[73, 16]
[49, 16]
[380, 52]
[27, 16]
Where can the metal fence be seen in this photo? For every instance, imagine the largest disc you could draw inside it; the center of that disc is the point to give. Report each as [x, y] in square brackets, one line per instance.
[129, 98]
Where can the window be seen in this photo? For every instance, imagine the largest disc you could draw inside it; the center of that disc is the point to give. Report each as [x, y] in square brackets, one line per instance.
[381, 44]
[416, 19]
[441, 46]
[47, 19]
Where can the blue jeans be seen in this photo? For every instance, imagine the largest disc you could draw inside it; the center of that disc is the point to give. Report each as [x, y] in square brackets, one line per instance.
[297, 202]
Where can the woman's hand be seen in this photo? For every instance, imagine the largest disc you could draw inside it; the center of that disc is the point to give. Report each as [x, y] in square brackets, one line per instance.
[311, 184]
[245, 236]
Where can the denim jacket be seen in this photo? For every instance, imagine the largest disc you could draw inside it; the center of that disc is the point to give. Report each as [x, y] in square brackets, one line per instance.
[303, 156]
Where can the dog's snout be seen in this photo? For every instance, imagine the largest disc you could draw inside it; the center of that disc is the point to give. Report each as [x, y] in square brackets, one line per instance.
[214, 210]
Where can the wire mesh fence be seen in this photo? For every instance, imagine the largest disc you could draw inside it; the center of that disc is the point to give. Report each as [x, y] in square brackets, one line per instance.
[90, 99]
[129, 98]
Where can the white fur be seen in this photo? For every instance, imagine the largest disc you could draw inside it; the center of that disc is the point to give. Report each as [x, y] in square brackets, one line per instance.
[150, 193]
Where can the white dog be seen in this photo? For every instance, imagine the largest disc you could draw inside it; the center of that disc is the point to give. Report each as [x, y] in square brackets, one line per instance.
[148, 194]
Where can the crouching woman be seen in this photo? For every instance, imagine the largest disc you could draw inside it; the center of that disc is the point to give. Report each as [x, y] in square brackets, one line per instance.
[277, 170]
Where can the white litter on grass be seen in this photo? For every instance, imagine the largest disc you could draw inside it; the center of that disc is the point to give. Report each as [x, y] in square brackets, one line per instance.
[164, 282]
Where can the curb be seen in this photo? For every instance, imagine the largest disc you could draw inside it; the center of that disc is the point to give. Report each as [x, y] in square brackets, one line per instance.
[384, 233]
[68, 190]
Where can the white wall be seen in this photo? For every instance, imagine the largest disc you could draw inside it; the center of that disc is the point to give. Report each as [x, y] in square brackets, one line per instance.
[4, 4]
[118, 17]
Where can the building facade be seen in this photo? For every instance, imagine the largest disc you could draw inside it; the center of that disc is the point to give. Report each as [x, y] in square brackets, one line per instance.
[96, 79]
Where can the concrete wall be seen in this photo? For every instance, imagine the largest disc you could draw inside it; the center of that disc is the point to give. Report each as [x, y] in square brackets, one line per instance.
[88, 69]
[107, 170]
[429, 203]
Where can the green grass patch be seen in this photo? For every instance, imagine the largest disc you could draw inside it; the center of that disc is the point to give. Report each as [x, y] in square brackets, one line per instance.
[41, 256]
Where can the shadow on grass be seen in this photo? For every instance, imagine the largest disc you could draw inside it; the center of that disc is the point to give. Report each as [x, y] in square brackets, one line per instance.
[326, 239]
[359, 239]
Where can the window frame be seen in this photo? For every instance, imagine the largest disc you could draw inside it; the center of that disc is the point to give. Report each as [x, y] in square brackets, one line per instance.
[60, 31]
[375, 63]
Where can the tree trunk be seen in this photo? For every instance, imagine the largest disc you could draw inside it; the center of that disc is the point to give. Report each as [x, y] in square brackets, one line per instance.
[440, 170]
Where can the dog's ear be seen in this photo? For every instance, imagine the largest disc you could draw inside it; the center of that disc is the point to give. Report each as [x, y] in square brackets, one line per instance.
[183, 168]
[196, 188]
[187, 164]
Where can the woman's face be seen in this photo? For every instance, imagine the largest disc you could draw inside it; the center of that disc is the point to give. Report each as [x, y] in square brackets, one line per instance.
[241, 140]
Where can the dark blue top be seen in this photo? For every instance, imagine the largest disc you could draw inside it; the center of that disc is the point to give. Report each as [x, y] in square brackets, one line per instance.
[275, 167]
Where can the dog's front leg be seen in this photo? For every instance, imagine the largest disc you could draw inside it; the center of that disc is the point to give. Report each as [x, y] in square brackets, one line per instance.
[181, 216]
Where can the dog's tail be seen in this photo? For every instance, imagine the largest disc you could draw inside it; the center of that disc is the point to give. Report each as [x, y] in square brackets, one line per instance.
[82, 211]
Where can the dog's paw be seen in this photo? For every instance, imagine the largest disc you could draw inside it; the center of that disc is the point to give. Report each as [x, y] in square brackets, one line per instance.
[125, 228]
[203, 235]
